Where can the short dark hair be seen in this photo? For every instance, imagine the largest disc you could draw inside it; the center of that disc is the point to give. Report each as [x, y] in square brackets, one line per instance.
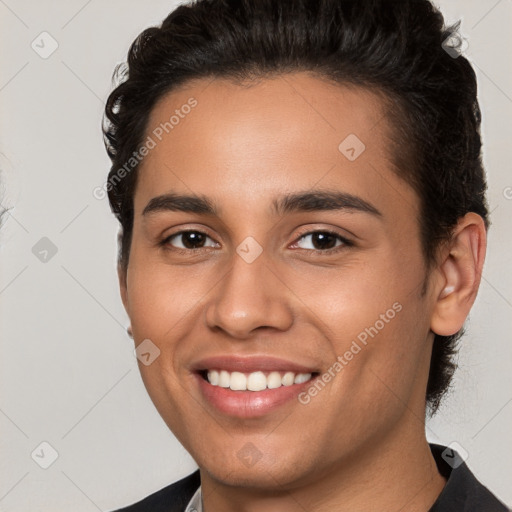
[400, 49]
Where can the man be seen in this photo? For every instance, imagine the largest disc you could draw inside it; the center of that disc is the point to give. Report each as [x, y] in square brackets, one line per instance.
[303, 214]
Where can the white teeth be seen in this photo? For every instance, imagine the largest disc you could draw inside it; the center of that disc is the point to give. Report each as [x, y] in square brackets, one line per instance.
[301, 377]
[238, 381]
[223, 379]
[255, 381]
[274, 380]
[288, 378]
[214, 377]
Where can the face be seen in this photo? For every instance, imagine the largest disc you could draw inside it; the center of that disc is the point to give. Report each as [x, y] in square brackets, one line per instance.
[257, 279]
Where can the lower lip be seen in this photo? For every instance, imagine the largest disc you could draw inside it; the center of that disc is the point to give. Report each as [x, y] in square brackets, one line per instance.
[250, 404]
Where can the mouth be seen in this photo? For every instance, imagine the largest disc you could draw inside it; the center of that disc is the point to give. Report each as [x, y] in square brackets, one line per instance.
[251, 387]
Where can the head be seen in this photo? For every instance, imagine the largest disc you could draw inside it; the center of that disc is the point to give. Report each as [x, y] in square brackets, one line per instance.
[251, 107]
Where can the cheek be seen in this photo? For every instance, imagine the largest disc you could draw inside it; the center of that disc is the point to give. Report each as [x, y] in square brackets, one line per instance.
[375, 320]
[353, 296]
[161, 296]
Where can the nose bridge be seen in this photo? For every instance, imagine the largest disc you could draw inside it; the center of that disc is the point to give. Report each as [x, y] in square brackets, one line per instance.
[250, 295]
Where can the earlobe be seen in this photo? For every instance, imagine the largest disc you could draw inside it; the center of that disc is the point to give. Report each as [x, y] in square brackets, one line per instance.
[460, 273]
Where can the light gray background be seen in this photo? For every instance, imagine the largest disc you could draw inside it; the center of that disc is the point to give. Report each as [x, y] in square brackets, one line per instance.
[68, 373]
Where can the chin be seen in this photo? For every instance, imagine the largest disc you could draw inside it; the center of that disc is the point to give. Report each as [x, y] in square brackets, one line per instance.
[239, 470]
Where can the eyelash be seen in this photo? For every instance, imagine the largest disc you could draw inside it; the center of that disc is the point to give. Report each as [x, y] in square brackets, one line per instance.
[178, 250]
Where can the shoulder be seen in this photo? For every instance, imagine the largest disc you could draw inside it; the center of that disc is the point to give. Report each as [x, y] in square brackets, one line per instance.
[462, 492]
[173, 498]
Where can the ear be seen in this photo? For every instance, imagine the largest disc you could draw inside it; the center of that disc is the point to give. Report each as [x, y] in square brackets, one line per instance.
[460, 273]
[122, 277]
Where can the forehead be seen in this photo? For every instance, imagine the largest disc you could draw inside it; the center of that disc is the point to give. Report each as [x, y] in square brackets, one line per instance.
[249, 142]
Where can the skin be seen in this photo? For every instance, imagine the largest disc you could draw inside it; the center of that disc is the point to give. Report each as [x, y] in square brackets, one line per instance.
[359, 444]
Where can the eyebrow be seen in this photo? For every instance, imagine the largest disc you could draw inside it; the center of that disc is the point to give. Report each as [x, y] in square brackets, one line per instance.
[306, 201]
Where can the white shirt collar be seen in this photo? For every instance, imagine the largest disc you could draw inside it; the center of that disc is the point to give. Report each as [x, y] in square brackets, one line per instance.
[196, 503]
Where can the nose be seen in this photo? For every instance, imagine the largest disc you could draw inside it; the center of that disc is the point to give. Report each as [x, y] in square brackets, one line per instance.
[251, 296]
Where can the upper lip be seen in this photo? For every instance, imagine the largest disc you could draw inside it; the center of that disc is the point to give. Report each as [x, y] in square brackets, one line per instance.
[250, 364]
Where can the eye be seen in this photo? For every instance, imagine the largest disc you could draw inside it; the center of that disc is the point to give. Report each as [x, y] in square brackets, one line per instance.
[187, 240]
[323, 242]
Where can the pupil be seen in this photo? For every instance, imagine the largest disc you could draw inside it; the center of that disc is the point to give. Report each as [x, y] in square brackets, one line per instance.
[190, 240]
[325, 240]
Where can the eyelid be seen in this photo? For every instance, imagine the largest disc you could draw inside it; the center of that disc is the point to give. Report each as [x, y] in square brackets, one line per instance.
[310, 231]
[199, 229]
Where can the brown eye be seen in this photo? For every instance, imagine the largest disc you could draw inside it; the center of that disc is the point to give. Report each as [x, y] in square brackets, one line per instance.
[188, 240]
[323, 241]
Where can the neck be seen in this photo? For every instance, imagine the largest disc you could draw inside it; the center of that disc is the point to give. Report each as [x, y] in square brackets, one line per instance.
[394, 473]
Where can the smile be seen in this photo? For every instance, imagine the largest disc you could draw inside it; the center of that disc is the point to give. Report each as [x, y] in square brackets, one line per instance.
[250, 387]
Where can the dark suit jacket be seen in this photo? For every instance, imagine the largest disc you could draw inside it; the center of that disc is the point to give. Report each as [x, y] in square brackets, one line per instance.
[462, 492]
[173, 498]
